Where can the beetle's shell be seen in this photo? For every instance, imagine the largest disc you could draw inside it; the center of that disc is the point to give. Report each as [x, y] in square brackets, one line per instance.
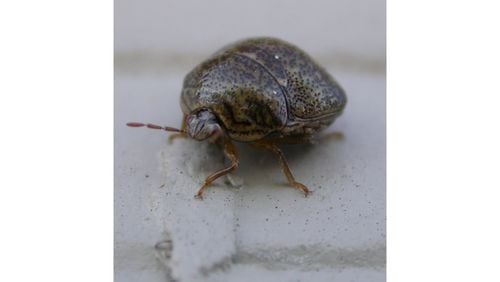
[264, 88]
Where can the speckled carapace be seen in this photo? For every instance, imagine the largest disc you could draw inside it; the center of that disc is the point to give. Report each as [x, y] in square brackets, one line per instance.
[262, 91]
[264, 88]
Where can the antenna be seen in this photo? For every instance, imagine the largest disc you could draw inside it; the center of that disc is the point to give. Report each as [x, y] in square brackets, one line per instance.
[154, 126]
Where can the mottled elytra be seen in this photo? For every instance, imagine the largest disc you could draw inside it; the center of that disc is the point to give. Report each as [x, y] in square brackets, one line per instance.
[262, 91]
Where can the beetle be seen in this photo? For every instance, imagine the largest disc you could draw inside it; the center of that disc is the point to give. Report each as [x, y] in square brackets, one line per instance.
[262, 91]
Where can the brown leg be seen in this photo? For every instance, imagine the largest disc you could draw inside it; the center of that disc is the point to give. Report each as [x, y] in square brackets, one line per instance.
[174, 136]
[232, 154]
[332, 136]
[284, 165]
[292, 140]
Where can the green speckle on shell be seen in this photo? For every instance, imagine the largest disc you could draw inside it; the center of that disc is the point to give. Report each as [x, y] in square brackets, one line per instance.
[264, 87]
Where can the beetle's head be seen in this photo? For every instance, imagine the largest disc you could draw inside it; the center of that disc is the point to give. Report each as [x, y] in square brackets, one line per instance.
[202, 124]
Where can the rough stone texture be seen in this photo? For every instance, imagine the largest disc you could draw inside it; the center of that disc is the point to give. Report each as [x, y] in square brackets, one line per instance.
[263, 229]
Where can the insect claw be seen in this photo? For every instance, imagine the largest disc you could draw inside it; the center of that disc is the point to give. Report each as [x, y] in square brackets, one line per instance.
[306, 193]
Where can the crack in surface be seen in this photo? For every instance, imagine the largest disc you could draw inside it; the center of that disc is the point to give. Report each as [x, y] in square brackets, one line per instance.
[312, 257]
[161, 61]
[305, 258]
[222, 265]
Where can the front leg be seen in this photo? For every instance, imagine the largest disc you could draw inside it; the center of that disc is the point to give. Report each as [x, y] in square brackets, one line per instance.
[172, 137]
[232, 154]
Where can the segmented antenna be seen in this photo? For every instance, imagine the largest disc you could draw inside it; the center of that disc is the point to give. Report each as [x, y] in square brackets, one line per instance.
[154, 126]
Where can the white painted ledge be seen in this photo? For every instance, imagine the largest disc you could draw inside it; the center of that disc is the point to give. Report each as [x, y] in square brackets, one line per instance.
[264, 230]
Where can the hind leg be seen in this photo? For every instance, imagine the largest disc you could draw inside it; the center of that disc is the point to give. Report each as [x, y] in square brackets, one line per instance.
[284, 165]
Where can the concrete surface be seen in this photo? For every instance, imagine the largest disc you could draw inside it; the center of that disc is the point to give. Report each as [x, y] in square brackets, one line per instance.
[251, 226]
[263, 226]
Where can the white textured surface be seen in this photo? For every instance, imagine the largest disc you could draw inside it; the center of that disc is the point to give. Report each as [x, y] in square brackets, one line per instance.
[263, 230]
[264, 226]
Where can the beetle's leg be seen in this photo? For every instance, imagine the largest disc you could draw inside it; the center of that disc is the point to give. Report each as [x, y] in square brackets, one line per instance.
[336, 135]
[232, 154]
[307, 139]
[172, 137]
[292, 140]
[284, 165]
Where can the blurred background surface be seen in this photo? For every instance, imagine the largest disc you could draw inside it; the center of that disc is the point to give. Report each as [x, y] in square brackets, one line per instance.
[163, 34]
